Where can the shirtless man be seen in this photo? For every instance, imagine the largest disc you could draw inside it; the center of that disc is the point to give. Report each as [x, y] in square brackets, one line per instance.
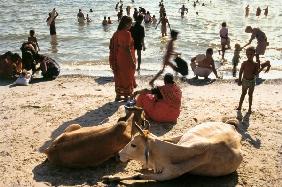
[249, 69]
[164, 21]
[204, 67]
[182, 10]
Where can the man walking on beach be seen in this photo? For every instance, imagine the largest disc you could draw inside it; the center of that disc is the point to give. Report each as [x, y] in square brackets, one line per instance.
[138, 34]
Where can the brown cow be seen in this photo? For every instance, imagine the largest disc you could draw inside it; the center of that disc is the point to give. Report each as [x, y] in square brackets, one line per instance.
[90, 146]
[10, 65]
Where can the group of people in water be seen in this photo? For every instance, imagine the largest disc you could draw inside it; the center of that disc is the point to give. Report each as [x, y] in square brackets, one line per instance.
[161, 103]
[258, 11]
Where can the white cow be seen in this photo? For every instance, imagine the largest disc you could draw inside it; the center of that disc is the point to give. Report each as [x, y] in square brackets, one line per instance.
[211, 149]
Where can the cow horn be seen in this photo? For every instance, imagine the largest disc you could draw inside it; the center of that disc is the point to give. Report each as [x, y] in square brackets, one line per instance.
[147, 125]
[139, 129]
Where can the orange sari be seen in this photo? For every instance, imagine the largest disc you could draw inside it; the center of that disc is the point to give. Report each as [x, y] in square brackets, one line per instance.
[121, 64]
[166, 109]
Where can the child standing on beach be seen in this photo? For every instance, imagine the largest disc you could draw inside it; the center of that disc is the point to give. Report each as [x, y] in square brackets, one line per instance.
[33, 40]
[235, 59]
[250, 69]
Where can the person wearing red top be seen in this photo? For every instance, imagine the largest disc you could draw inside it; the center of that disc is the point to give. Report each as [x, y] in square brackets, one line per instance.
[162, 103]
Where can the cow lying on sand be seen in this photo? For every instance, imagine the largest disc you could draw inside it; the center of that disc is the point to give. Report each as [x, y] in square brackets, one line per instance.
[210, 149]
[90, 146]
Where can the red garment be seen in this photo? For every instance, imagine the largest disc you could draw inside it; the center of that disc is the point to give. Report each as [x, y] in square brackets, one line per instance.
[163, 110]
[121, 64]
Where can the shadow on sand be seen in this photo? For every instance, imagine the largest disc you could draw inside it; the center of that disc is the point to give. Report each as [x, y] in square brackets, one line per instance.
[259, 81]
[56, 176]
[160, 129]
[200, 82]
[104, 80]
[243, 129]
[5, 82]
[191, 180]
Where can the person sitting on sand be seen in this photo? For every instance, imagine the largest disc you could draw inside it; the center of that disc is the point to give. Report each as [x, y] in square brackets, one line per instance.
[203, 67]
[49, 67]
[249, 69]
[10, 65]
[161, 103]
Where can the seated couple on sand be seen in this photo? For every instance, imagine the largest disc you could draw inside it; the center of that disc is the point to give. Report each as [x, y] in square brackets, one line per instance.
[50, 69]
[161, 103]
[202, 65]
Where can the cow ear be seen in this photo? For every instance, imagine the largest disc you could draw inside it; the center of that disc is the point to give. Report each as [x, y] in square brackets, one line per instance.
[139, 129]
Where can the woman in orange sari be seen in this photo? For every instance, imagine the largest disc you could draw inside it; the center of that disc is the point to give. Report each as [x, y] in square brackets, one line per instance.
[122, 59]
[161, 104]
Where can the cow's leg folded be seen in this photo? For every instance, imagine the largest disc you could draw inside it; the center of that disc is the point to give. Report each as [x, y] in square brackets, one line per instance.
[188, 165]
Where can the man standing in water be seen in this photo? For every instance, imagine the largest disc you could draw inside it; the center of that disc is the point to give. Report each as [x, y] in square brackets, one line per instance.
[138, 34]
[247, 11]
[163, 21]
[51, 22]
[182, 10]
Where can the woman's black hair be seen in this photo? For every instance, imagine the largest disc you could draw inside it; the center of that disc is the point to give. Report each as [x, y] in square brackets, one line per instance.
[125, 20]
[168, 78]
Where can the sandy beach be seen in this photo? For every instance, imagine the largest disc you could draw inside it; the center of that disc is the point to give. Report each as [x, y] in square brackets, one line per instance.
[31, 116]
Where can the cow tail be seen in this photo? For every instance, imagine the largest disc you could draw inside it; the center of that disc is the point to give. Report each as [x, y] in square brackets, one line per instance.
[230, 121]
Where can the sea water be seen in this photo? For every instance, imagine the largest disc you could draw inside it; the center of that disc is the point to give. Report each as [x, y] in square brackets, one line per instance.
[84, 48]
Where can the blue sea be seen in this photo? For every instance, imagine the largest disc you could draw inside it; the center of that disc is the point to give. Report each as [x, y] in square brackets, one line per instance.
[83, 48]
